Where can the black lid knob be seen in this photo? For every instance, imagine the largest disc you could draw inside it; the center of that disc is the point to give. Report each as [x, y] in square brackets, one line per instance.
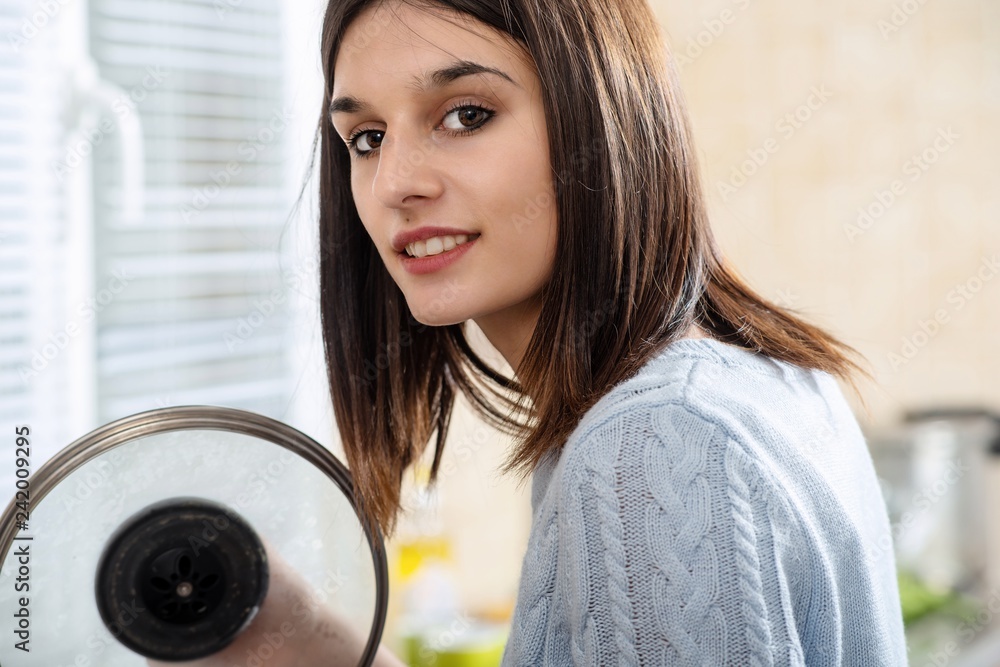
[180, 579]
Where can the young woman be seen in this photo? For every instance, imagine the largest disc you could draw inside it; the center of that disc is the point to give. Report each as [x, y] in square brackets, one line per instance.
[702, 493]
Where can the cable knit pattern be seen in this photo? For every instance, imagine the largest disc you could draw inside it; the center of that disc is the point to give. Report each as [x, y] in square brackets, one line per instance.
[719, 508]
[745, 541]
[614, 555]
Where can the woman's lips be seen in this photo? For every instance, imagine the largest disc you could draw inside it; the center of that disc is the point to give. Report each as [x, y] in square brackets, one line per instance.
[424, 265]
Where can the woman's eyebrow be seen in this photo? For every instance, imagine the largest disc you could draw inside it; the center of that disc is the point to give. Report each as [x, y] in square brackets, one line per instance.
[436, 79]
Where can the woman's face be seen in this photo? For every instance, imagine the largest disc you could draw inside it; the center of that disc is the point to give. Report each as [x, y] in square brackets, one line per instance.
[467, 151]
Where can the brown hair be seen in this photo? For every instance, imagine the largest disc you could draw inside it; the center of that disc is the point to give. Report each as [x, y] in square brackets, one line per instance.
[636, 263]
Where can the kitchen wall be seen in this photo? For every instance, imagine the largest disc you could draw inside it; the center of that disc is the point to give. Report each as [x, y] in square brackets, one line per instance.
[848, 150]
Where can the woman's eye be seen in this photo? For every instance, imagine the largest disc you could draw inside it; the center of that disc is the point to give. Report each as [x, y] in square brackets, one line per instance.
[466, 113]
[360, 139]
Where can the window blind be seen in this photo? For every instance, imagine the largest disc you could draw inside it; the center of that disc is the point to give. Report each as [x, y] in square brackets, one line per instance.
[37, 339]
[196, 309]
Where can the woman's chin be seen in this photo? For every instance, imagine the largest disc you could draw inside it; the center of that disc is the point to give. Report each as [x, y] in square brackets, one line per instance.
[438, 318]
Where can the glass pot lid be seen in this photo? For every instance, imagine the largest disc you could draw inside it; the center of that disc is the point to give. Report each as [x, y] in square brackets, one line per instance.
[156, 537]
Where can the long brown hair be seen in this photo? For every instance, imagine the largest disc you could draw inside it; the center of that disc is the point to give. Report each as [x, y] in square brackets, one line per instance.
[636, 263]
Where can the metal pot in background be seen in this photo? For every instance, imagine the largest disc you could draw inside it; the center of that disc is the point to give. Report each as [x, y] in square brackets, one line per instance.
[938, 471]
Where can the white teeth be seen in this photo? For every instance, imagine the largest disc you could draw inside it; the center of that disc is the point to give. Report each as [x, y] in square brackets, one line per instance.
[437, 245]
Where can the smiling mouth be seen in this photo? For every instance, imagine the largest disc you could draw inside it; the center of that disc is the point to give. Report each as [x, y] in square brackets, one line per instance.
[439, 247]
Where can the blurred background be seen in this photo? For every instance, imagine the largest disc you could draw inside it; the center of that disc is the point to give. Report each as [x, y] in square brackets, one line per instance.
[151, 254]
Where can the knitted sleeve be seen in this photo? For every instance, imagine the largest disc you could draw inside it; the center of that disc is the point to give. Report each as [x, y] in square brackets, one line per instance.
[669, 548]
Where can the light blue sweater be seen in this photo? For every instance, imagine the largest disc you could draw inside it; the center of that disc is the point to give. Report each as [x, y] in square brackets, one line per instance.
[719, 508]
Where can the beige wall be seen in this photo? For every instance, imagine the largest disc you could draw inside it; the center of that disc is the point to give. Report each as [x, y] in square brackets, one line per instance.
[793, 228]
[788, 229]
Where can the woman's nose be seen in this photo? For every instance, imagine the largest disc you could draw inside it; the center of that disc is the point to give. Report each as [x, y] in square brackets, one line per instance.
[406, 168]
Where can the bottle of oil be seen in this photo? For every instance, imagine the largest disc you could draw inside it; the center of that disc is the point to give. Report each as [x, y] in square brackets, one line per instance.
[425, 594]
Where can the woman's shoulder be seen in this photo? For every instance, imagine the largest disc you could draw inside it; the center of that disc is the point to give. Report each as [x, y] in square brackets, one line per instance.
[708, 413]
[700, 385]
